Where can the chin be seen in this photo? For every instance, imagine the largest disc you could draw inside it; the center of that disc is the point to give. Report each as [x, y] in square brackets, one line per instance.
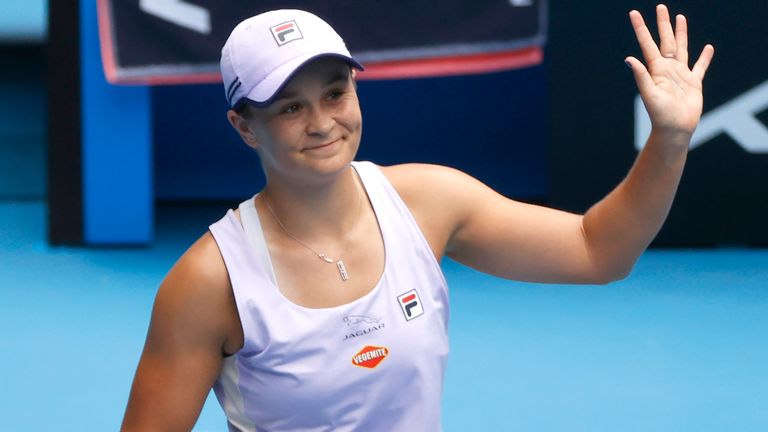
[333, 165]
[318, 170]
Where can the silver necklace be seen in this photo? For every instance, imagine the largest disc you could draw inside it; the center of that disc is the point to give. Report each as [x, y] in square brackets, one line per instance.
[322, 255]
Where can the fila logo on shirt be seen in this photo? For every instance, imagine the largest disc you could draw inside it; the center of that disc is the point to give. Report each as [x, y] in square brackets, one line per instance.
[286, 32]
[410, 303]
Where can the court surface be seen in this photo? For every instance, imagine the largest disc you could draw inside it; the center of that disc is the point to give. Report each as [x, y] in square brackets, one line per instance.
[680, 345]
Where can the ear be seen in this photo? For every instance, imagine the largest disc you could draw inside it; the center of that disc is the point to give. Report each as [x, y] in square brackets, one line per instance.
[353, 76]
[240, 124]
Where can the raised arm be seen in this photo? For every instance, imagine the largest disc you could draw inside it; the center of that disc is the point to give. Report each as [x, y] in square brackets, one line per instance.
[474, 225]
[193, 321]
[620, 227]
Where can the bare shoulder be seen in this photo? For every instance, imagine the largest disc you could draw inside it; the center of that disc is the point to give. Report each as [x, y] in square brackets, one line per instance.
[436, 188]
[473, 224]
[196, 296]
[414, 179]
[200, 272]
[438, 197]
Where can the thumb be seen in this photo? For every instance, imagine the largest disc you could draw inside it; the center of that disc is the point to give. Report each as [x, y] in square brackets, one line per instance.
[642, 77]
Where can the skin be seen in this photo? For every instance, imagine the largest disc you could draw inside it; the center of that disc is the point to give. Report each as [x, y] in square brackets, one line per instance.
[306, 140]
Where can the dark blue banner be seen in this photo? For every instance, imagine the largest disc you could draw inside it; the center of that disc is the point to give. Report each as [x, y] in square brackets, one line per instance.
[175, 41]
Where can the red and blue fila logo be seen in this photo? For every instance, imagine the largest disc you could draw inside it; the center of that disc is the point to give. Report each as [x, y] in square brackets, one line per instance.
[410, 303]
[286, 32]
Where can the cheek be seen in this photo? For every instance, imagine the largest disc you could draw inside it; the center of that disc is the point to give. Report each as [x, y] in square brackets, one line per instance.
[281, 133]
[352, 118]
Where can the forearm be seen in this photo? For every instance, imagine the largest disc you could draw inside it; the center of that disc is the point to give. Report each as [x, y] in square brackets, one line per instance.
[621, 226]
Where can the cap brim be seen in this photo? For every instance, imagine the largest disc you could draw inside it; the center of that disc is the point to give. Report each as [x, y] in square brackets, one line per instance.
[265, 93]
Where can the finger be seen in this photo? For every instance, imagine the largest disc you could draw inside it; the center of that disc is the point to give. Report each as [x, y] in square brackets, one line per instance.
[681, 38]
[644, 38]
[667, 45]
[642, 77]
[700, 68]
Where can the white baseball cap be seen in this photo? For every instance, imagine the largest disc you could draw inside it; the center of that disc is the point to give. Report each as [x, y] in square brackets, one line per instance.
[263, 52]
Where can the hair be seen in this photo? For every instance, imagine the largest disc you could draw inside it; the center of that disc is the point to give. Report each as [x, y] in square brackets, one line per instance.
[244, 111]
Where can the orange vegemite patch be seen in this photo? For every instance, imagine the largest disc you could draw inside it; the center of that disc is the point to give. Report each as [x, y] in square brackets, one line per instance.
[370, 356]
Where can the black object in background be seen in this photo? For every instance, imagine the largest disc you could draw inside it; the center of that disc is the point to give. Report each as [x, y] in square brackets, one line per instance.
[723, 195]
[65, 195]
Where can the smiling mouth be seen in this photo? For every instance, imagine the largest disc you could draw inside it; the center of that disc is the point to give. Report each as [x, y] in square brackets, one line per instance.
[321, 146]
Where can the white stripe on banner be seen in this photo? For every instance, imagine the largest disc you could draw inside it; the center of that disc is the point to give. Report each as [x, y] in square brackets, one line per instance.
[180, 13]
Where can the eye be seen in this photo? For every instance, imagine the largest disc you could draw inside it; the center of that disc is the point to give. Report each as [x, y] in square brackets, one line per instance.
[335, 94]
[290, 108]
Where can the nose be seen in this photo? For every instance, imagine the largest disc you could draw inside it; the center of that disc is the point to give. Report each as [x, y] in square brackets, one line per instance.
[319, 122]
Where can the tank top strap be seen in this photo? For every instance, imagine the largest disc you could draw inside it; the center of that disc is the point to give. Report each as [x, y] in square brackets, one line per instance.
[398, 226]
[255, 235]
[238, 254]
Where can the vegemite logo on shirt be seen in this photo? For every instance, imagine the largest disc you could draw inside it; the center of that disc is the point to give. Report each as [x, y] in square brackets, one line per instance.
[286, 32]
[410, 303]
[370, 356]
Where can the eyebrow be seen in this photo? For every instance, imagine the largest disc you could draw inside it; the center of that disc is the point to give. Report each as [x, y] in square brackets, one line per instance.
[337, 77]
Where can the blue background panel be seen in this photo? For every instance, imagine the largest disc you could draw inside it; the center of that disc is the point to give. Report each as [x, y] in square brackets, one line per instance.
[116, 148]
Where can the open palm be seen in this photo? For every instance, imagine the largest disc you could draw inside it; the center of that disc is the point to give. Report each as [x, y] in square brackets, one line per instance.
[671, 91]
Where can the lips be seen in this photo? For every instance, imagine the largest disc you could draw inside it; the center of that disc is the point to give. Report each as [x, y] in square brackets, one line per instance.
[322, 146]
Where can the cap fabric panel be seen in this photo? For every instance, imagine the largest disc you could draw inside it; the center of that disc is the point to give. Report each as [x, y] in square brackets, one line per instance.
[264, 51]
[270, 87]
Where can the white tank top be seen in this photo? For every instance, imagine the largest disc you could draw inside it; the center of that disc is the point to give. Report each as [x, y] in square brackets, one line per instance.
[375, 364]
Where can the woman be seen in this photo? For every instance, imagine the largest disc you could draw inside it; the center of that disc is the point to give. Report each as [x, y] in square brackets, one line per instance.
[319, 304]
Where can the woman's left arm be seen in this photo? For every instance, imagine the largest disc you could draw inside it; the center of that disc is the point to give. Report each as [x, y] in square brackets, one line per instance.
[469, 222]
[620, 227]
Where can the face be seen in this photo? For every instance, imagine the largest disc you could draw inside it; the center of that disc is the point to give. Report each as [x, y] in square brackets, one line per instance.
[312, 129]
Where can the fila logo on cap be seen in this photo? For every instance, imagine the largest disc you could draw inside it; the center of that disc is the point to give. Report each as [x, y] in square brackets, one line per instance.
[286, 32]
[410, 303]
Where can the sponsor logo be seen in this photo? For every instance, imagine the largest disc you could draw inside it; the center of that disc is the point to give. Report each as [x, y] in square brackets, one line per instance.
[370, 356]
[410, 304]
[735, 118]
[373, 324]
[363, 332]
[286, 32]
[358, 319]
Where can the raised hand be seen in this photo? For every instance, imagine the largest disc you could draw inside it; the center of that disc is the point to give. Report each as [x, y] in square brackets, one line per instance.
[671, 91]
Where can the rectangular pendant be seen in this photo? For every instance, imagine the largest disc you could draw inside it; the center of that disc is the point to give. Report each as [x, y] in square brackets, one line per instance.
[342, 270]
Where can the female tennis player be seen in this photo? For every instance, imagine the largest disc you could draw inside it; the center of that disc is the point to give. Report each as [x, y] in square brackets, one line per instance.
[319, 304]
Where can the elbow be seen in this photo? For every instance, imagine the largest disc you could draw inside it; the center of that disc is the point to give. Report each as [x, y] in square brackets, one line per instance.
[614, 278]
[612, 273]
[607, 261]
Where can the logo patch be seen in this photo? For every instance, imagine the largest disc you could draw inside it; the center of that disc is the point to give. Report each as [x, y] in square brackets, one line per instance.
[370, 356]
[286, 32]
[410, 303]
[361, 325]
[358, 319]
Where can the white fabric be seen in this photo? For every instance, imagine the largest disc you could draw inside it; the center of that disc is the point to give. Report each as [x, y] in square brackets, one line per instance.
[297, 371]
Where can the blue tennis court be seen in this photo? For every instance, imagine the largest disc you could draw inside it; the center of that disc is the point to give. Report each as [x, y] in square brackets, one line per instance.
[680, 345]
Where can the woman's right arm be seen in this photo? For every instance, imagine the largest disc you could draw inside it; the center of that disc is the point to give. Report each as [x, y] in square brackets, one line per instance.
[194, 324]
